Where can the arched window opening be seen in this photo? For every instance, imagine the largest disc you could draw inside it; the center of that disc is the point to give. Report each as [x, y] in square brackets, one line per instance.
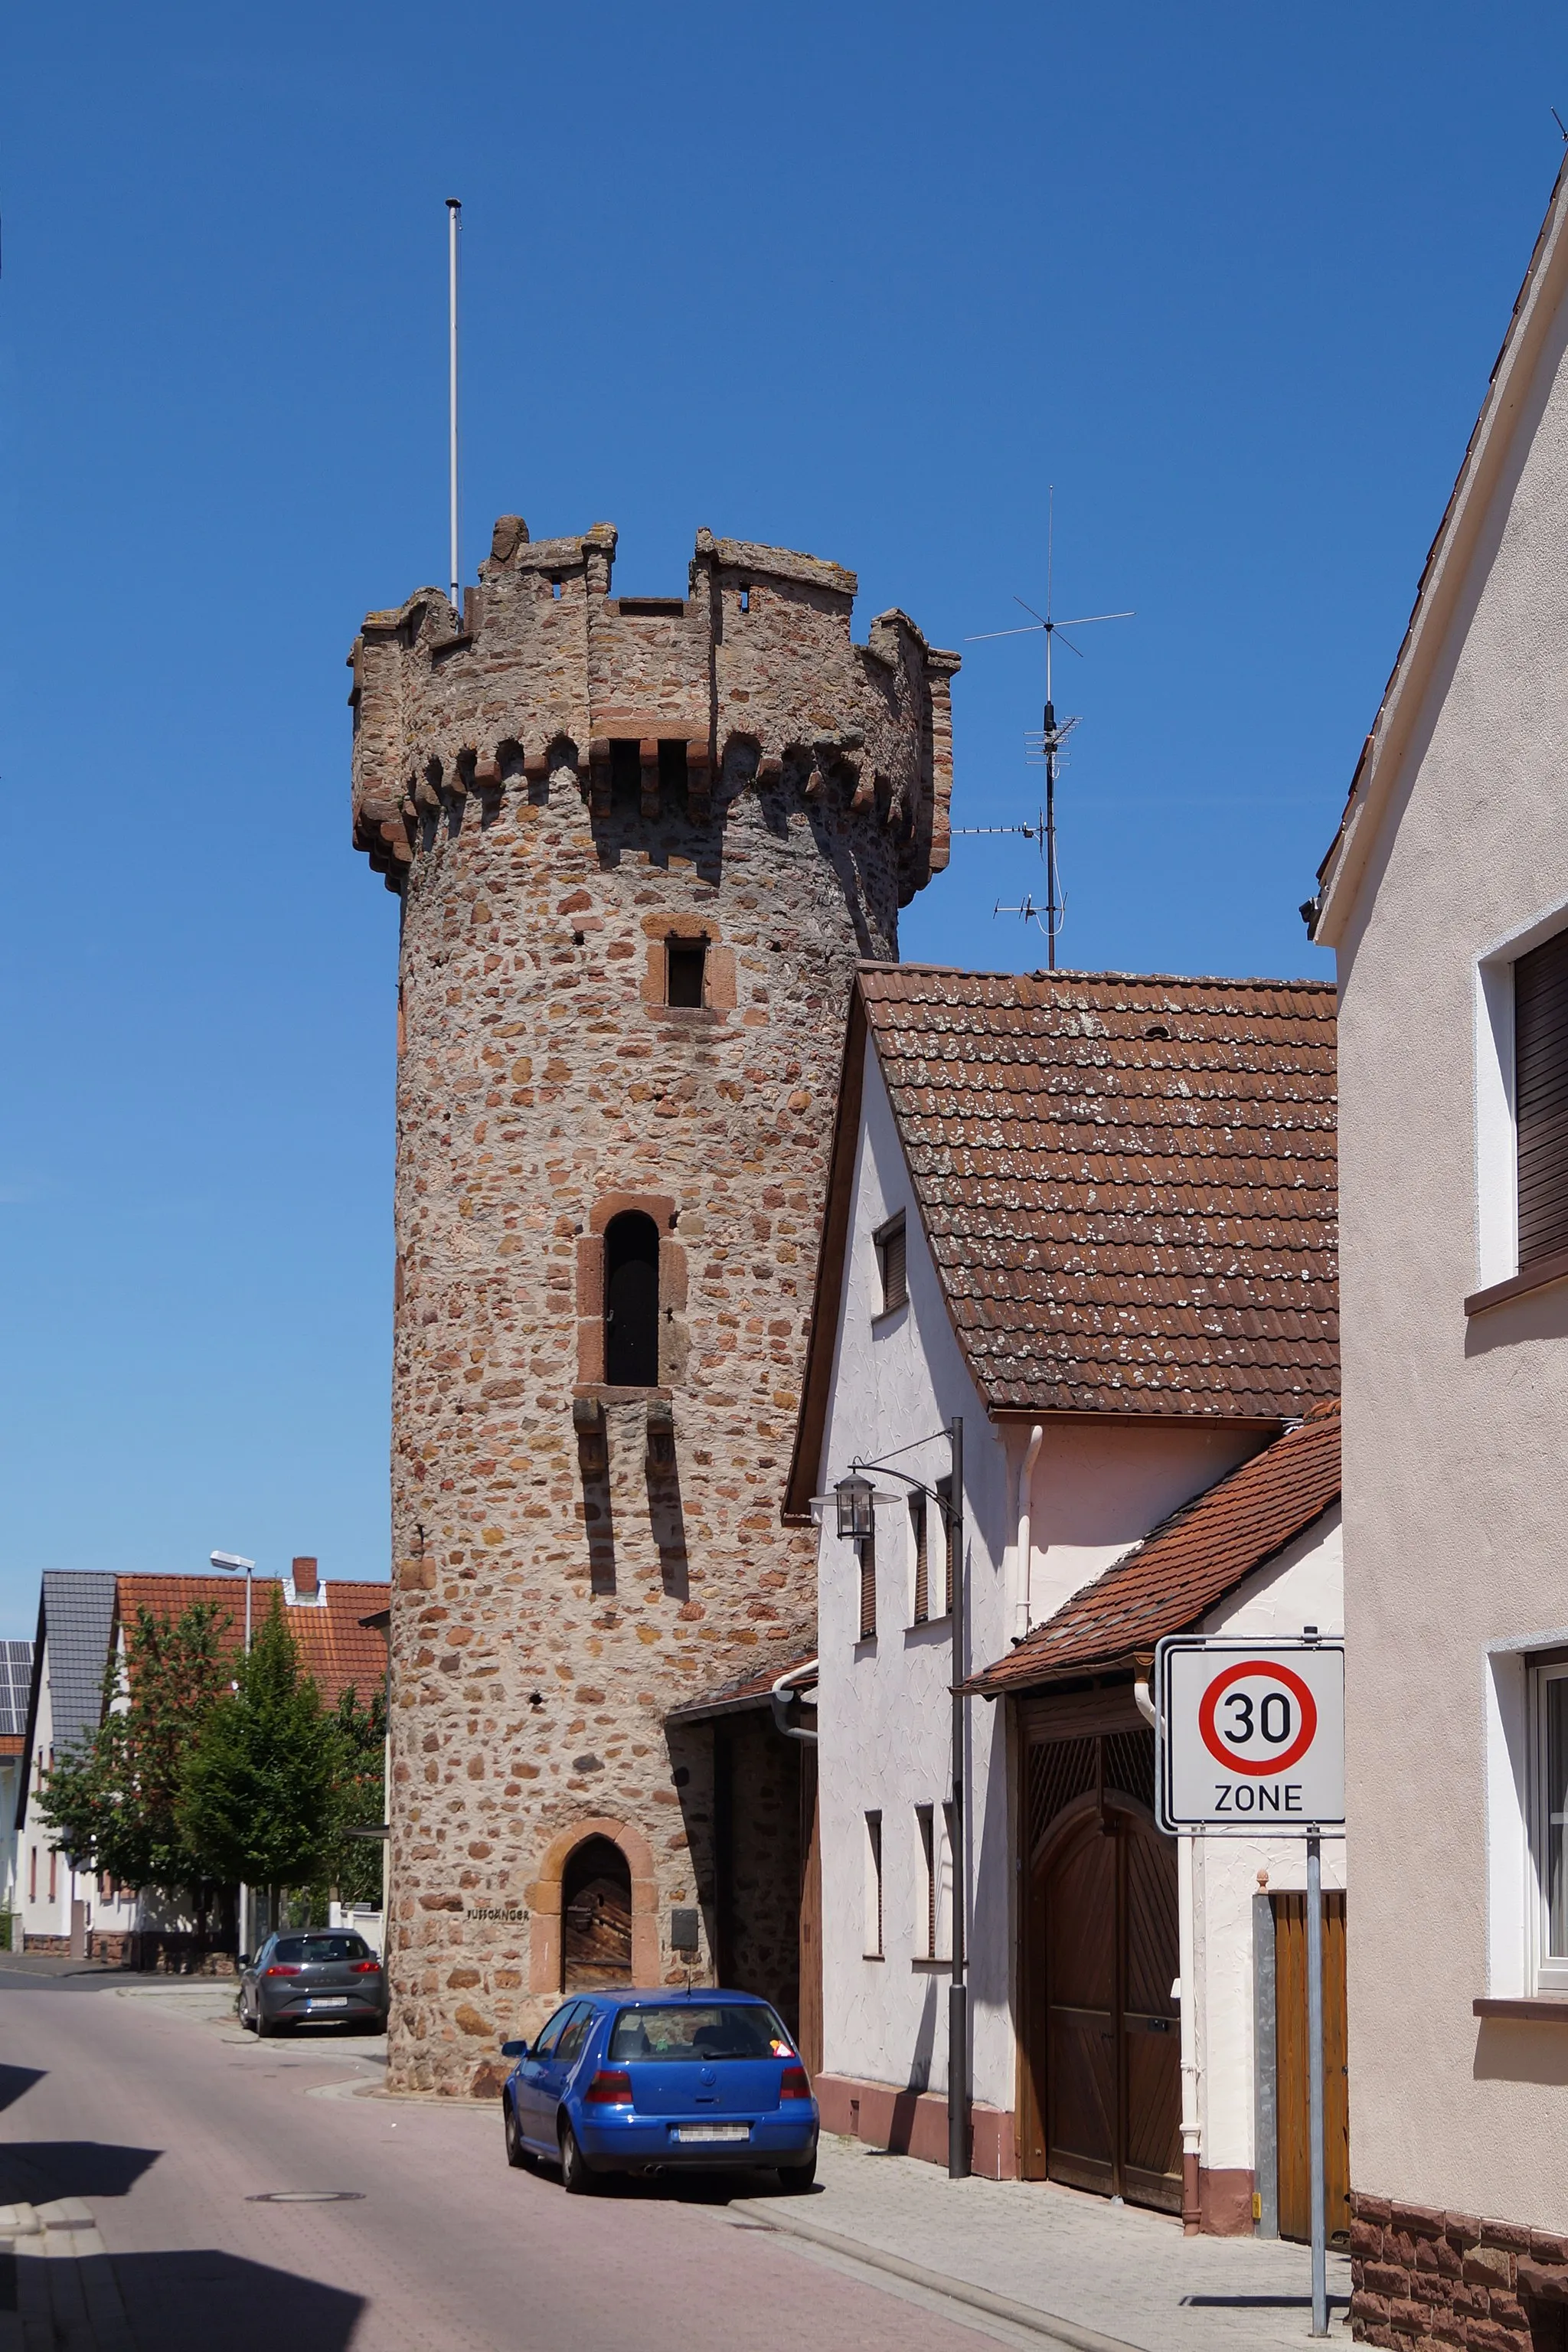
[631, 1301]
[595, 1916]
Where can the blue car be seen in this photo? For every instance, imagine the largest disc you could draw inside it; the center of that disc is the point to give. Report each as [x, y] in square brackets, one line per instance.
[646, 2082]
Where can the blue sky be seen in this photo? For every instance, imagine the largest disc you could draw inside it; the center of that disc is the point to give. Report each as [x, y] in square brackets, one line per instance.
[858, 279]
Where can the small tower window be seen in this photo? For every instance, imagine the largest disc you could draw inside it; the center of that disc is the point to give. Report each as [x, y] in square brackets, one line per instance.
[683, 968]
[890, 1240]
[555, 587]
[631, 1301]
[673, 769]
[625, 769]
[745, 600]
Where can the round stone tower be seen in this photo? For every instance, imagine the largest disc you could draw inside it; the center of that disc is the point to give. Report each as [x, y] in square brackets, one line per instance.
[640, 842]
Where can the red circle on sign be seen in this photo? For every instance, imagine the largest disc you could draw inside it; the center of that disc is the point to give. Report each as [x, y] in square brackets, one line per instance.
[1238, 1672]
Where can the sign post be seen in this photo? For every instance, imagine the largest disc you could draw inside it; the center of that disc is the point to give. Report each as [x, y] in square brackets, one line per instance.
[1250, 1741]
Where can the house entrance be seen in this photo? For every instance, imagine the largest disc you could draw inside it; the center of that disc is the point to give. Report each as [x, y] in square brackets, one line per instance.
[1101, 2094]
[595, 1916]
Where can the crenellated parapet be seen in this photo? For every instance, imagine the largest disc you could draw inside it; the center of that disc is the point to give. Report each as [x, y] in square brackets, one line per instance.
[664, 711]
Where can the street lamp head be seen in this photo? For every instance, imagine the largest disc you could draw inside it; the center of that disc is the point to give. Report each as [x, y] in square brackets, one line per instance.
[855, 1506]
[231, 1560]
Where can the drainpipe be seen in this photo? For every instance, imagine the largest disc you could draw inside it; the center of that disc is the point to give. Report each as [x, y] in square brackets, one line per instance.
[781, 1695]
[1025, 1547]
[1186, 1990]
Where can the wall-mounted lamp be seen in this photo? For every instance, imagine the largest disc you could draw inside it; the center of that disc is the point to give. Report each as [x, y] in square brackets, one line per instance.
[855, 1506]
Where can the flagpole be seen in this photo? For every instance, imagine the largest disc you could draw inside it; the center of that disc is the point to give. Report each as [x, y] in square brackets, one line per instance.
[454, 220]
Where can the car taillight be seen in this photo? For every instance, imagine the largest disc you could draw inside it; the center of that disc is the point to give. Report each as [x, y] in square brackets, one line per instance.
[364, 1968]
[795, 2083]
[611, 2087]
[283, 1969]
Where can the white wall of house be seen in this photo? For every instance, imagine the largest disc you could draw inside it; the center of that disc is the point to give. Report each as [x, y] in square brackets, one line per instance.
[45, 1884]
[1455, 1459]
[884, 1714]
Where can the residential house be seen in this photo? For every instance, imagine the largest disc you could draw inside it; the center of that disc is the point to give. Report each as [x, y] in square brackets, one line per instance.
[1092, 1216]
[85, 1618]
[16, 1681]
[1444, 896]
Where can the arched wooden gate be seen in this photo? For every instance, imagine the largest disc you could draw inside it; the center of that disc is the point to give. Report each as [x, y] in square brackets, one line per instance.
[1101, 2100]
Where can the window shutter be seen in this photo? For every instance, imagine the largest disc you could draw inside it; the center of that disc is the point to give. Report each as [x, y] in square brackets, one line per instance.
[922, 1610]
[1540, 1097]
[867, 1588]
[949, 1543]
[894, 1290]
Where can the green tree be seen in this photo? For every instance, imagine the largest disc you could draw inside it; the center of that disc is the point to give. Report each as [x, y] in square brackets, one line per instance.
[258, 1796]
[113, 1799]
[353, 1863]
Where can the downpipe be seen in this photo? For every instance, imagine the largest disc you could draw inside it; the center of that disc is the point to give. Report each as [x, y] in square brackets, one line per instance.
[1186, 1993]
[779, 1695]
[1023, 1551]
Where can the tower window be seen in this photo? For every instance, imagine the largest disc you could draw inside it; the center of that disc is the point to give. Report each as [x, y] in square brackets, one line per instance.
[683, 965]
[631, 1301]
[890, 1242]
[625, 770]
[745, 600]
[555, 589]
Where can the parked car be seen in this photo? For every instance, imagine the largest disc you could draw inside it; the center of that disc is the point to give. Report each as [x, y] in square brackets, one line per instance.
[312, 1979]
[645, 2081]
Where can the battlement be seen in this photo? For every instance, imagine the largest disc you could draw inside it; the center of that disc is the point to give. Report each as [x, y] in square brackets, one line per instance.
[663, 710]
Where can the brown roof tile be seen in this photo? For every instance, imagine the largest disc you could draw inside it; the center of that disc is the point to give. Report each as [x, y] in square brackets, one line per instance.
[334, 1648]
[1188, 1564]
[1123, 1221]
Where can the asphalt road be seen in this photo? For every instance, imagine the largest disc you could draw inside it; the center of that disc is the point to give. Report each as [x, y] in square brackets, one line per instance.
[172, 2128]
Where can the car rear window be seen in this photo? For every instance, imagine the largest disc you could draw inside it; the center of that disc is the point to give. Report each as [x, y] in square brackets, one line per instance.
[306, 1948]
[719, 2029]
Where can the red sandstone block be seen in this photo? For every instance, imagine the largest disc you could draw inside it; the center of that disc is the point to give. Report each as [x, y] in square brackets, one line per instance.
[1408, 2319]
[1463, 2230]
[1370, 2209]
[1419, 2221]
[1543, 2282]
[1437, 2255]
[1366, 2239]
[1427, 2288]
[1486, 2336]
[1368, 2306]
[1399, 2246]
[1510, 2235]
[1487, 2266]
[1545, 2248]
[1386, 2278]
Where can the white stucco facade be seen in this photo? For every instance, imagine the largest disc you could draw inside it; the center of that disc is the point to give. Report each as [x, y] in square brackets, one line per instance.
[1094, 1490]
[46, 1887]
[1453, 861]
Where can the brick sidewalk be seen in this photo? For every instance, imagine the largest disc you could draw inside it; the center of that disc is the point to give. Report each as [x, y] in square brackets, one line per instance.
[1128, 2277]
[67, 2299]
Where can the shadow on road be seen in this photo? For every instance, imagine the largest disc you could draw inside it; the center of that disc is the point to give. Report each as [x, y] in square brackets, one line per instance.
[36, 2172]
[184, 2301]
[15, 2080]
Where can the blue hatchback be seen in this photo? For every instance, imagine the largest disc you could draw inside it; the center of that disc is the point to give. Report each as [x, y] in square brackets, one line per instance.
[642, 2081]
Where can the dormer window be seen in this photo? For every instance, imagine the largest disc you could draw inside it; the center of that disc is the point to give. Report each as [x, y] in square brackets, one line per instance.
[889, 1245]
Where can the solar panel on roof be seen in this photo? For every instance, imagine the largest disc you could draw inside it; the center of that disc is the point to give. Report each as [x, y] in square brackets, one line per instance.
[15, 1676]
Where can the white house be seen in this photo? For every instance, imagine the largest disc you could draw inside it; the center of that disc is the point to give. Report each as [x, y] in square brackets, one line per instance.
[1091, 1217]
[60, 1909]
[1444, 896]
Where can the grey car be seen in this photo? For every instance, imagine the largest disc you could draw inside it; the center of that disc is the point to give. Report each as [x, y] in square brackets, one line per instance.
[313, 1977]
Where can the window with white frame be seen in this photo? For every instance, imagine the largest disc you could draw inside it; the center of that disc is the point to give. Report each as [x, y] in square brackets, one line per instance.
[1549, 1825]
[872, 1946]
[920, 1561]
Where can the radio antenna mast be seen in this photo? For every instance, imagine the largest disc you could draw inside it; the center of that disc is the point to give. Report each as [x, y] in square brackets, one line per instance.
[1053, 733]
[454, 221]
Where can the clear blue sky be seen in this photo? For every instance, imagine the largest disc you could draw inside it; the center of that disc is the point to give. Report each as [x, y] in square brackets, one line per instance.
[858, 279]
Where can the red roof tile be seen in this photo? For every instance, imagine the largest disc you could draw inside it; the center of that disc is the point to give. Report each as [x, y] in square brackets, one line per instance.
[1188, 1565]
[1128, 1182]
[334, 1648]
[734, 1697]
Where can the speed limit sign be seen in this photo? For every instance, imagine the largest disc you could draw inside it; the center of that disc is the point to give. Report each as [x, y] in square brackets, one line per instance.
[1251, 1735]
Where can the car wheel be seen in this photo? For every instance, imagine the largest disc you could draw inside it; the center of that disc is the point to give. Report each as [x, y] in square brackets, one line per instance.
[796, 2179]
[515, 2154]
[577, 2178]
[266, 2029]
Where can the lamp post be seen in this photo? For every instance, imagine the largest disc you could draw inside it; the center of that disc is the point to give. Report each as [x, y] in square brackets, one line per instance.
[856, 1504]
[234, 1563]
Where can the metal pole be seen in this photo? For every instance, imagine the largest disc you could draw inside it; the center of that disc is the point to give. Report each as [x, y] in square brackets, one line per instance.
[1315, 2080]
[454, 215]
[248, 1577]
[958, 1997]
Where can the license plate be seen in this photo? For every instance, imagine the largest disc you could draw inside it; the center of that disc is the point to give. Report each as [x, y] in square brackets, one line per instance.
[686, 2133]
[328, 2001]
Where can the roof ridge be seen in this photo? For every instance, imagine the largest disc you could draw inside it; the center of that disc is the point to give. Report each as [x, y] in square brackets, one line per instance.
[1074, 972]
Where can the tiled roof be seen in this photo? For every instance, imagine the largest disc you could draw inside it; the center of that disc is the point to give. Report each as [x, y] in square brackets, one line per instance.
[77, 1614]
[334, 1648]
[1188, 1565]
[1128, 1182]
[735, 1698]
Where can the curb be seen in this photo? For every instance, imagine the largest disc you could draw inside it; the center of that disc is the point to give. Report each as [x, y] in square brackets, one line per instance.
[1064, 2332]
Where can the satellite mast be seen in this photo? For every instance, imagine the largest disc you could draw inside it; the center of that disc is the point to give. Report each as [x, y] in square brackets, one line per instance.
[1048, 743]
[454, 221]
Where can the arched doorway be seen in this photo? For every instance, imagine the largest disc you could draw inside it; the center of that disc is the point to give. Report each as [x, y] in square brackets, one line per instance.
[595, 1916]
[631, 1301]
[1103, 2034]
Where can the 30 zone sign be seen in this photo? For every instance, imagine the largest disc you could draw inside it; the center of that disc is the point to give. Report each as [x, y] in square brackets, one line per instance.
[1251, 1735]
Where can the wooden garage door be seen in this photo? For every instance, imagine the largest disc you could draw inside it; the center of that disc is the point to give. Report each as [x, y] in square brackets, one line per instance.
[1290, 2045]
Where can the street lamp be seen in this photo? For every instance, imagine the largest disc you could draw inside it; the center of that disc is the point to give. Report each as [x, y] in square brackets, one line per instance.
[235, 1562]
[856, 1504]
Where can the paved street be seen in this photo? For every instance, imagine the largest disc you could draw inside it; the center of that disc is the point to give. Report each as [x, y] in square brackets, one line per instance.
[138, 2120]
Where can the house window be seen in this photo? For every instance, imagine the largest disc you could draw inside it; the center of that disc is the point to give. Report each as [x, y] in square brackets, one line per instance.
[1540, 1098]
[873, 1943]
[683, 971]
[631, 1301]
[951, 1536]
[921, 1609]
[1549, 1840]
[54, 1859]
[933, 1929]
[889, 1244]
[32, 1873]
[868, 1585]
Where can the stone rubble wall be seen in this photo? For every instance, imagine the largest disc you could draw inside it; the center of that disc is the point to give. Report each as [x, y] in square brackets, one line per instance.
[572, 1562]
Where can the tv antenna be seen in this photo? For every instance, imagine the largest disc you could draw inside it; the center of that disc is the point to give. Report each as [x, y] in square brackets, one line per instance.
[1044, 742]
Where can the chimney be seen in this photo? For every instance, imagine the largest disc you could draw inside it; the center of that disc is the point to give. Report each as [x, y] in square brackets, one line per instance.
[305, 1582]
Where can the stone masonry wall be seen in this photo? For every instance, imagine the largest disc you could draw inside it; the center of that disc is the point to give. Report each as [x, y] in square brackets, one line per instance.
[571, 1560]
[1424, 2279]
